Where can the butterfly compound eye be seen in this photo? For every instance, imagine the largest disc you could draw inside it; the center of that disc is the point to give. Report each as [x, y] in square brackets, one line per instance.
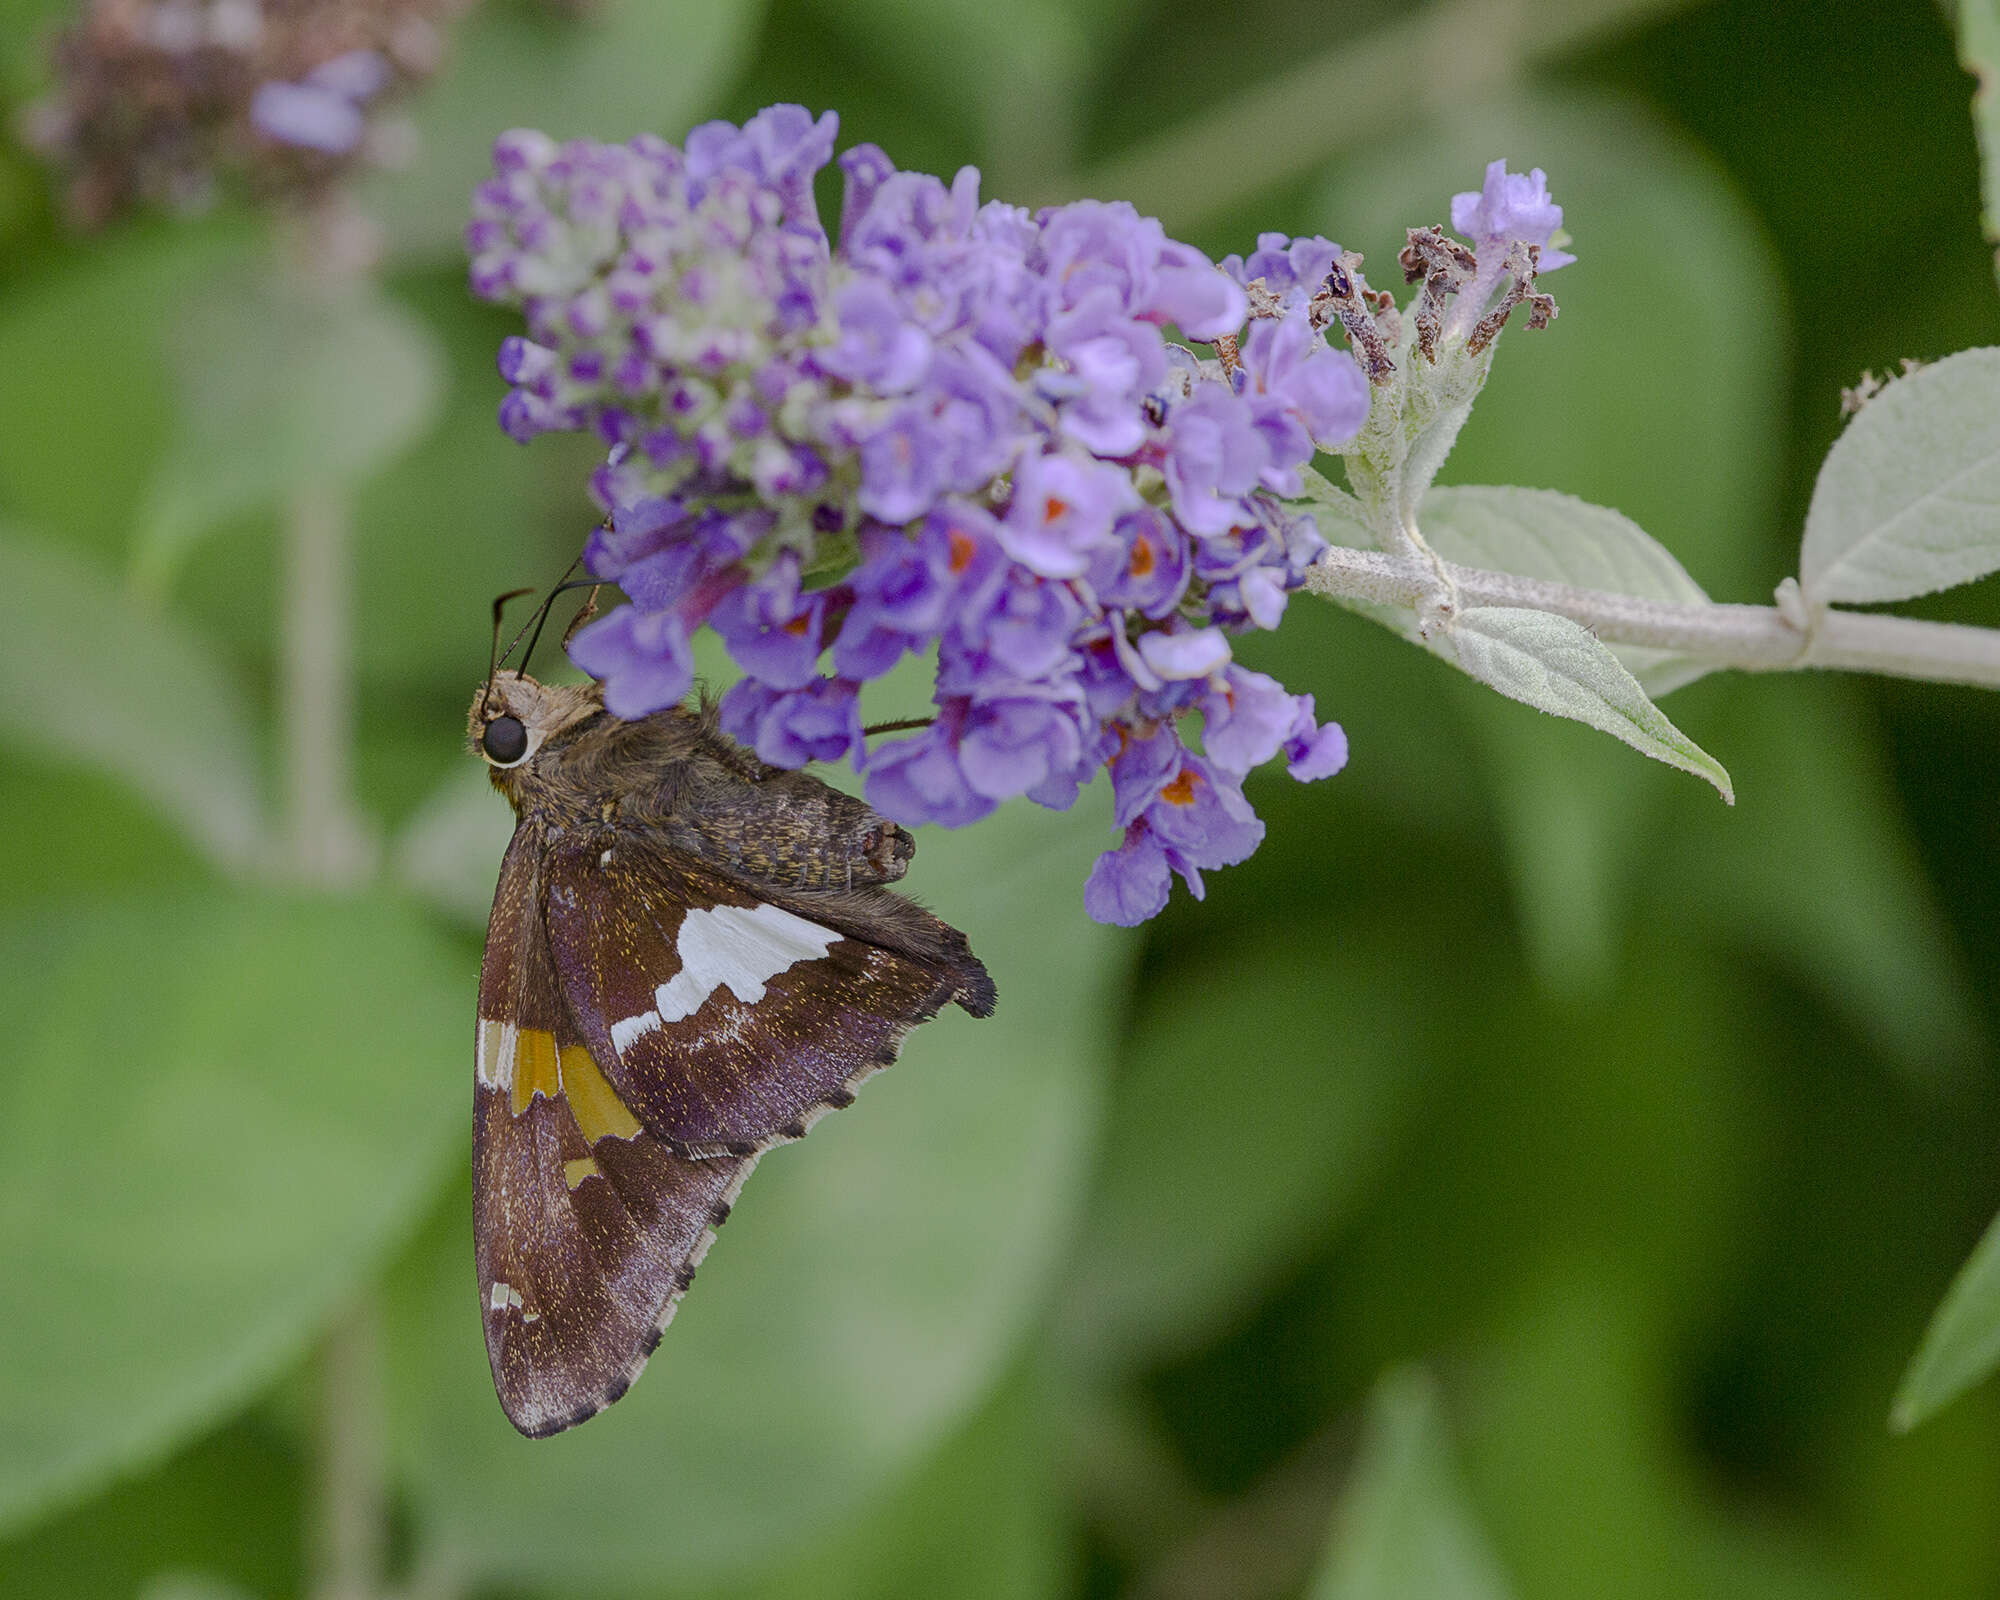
[505, 741]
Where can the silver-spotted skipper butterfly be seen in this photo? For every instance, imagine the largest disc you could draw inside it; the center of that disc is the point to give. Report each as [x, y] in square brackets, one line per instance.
[692, 956]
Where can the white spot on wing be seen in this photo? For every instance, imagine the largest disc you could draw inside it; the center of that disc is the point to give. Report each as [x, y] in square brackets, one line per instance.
[742, 950]
[493, 1062]
[623, 1033]
[503, 1296]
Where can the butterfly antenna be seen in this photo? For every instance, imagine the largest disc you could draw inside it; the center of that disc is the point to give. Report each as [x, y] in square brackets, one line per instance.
[534, 623]
[584, 613]
[493, 657]
[542, 619]
[904, 726]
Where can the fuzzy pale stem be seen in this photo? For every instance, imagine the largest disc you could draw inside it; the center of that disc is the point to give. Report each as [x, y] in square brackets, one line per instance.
[349, 1534]
[1747, 638]
[324, 840]
[325, 251]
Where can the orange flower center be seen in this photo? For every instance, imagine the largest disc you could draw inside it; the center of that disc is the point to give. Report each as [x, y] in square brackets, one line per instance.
[1181, 791]
[1054, 508]
[962, 550]
[1142, 557]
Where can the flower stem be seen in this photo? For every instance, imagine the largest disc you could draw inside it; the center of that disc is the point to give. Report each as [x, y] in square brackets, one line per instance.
[323, 840]
[349, 1534]
[1747, 638]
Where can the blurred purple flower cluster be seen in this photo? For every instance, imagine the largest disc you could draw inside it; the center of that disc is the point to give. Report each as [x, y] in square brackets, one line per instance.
[162, 101]
[960, 426]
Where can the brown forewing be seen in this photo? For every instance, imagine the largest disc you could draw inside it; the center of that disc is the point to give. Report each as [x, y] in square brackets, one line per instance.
[583, 1247]
[737, 1074]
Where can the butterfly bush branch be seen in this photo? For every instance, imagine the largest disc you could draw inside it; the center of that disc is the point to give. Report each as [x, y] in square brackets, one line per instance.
[323, 838]
[349, 1539]
[1467, 296]
[1747, 638]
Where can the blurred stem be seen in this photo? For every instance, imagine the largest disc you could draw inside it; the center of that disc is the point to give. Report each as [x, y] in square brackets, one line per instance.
[1747, 638]
[350, 1511]
[1287, 124]
[325, 251]
[324, 841]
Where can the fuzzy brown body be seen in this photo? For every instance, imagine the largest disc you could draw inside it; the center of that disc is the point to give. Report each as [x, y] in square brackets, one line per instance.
[692, 956]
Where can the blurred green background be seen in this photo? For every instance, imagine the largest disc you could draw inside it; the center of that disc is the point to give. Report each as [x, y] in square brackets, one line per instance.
[1526, 1177]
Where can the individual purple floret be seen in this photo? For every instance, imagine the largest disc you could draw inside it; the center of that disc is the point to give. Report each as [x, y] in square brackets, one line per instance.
[326, 110]
[962, 428]
[1510, 206]
[1509, 209]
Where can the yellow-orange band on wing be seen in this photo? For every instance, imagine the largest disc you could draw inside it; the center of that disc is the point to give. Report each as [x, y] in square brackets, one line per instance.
[535, 1067]
[538, 1067]
[592, 1100]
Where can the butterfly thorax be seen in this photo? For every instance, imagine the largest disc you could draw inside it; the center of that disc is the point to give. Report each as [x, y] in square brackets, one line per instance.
[673, 779]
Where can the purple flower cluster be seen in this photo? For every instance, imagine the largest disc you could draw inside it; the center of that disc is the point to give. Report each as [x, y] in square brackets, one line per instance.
[164, 101]
[960, 426]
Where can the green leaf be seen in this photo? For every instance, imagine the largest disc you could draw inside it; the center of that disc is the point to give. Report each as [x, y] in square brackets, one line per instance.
[191, 1586]
[449, 851]
[1979, 53]
[1254, 1100]
[1908, 500]
[1578, 1458]
[620, 68]
[1573, 814]
[79, 443]
[229, 1504]
[1560, 666]
[27, 30]
[1029, 100]
[217, 1113]
[1962, 1344]
[1817, 867]
[89, 672]
[1538, 533]
[1404, 1529]
[872, 1283]
[92, 835]
[279, 392]
[978, 1519]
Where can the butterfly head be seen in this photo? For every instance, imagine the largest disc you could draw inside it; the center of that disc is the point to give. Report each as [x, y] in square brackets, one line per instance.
[513, 716]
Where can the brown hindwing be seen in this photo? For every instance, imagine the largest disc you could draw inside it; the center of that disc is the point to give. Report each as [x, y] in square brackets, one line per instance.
[586, 1228]
[727, 1021]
